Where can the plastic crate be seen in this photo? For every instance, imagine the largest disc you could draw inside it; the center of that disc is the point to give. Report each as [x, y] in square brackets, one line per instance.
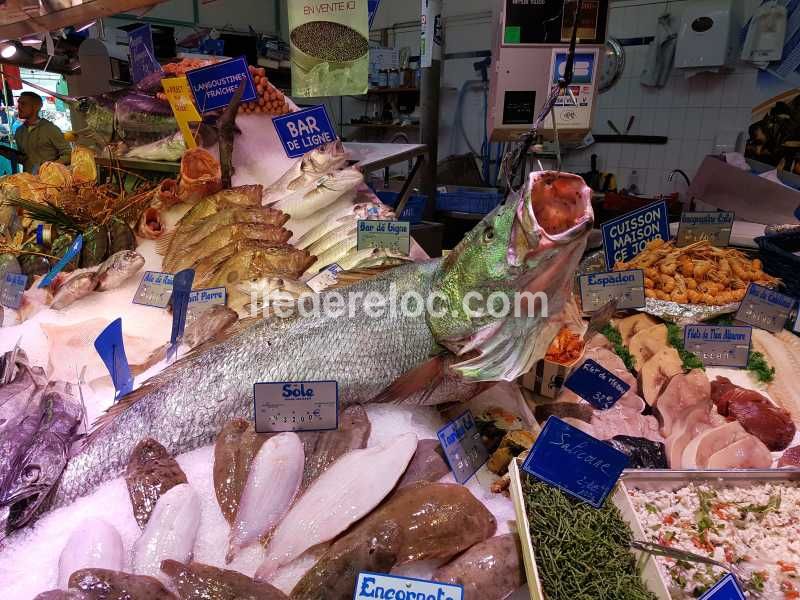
[468, 201]
[414, 209]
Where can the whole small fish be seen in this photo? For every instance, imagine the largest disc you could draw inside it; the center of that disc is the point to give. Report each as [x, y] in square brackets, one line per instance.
[339, 250]
[255, 260]
[344, 230]
[245, 196]
[74, 288]
[40, 460]
[188, 257]
[194, 581]
[306, 170]
[150, 474]
[347, 491]
[490, 570]
[519, 247]
[95, 544]
[229, 216]
[424, 521]
[117, 269]
[170, 532]
[321, 193]
[352, 434]
[428, 464]
[272, 484]
[234, 451]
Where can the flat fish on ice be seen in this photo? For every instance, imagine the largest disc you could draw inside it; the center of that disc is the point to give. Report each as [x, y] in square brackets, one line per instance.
[194, 581]
[151, 472]
[347, 491]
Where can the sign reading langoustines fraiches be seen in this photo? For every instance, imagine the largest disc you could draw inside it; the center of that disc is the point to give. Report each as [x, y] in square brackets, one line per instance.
[598, 289]
[595, 384]
[388, 235]
[628, 235]
[765, 308]
[11, 289]
[463, 447]
[213, 86]
[378, 586]
[302, 131]
[68, 257]
[714, 227]
[718, 346]
[575, 462]
[141, 54]
[726, 588]
[296, 406]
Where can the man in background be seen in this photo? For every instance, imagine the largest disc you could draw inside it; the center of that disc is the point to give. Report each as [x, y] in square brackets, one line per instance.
[38, 139]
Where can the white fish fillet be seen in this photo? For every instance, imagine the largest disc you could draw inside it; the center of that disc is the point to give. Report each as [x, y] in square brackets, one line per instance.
[272, 484]
[350, 488]
[783, 389]
[170, 532]
[95, 544]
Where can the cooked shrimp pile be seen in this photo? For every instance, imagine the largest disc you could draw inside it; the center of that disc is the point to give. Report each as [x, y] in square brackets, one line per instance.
[697, 274]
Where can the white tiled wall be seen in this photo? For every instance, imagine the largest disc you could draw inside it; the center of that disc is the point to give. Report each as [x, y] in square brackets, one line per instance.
[693, 113]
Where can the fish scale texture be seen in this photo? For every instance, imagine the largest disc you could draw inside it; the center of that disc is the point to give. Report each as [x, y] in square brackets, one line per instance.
[197, 397]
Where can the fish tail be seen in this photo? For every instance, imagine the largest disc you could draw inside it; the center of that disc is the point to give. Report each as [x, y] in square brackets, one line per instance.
[417, 384]
[164, 242]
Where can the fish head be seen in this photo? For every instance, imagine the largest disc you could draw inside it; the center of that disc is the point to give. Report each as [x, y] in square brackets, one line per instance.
[493, 293]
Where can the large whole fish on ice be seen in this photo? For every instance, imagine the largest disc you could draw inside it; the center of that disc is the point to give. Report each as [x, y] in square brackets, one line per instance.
[531, 243]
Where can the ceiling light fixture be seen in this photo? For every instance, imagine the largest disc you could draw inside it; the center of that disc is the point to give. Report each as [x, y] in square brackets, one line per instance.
[85, 27]
[7, 50]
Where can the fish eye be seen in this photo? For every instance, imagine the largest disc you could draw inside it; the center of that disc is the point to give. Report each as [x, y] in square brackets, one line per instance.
[488, 234]
[30, 474]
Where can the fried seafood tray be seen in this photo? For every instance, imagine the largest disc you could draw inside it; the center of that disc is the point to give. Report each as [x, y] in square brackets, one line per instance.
[650, 572]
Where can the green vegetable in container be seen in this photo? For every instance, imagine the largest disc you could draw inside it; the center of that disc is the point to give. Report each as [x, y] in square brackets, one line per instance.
[582, 553]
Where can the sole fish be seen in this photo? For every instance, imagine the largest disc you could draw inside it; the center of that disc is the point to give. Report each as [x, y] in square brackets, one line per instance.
[170, 532]
[234, 451]
[428, 464]
[272, 484]
[511, 251]
[424, 521]
[151, 473]
[347, 491]
[102, 584]
[352, 434]
[490, 570]
[194, 581]
[95, 544]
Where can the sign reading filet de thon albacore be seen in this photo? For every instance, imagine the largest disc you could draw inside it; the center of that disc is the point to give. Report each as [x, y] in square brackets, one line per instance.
[628, 235]
[214, 86]
[718, 346]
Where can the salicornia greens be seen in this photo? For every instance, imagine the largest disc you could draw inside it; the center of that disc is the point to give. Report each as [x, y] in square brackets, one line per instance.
[582, 553]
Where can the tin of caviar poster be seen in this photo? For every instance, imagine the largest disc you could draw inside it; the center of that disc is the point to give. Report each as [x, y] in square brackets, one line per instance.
[329, 44]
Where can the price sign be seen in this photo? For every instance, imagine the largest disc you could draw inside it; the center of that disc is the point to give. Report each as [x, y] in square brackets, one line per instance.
[765, 308]
[463, 447]
[68, 257]
[325, 279]
[12, 289]
[598, 289]
[714, 227]
[141, 55]
[303, 130]
[719, 346]
[154, 290]
[213, 86]
[379, 585]
[628, 235]
[180, 99]
[206, 298]
[726, 588]
[111, 348]
[296, 406]
[575, 462]
[598, 386]
[389, 235]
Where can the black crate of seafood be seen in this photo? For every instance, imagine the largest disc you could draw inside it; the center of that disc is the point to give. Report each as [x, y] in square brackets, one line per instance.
[779, 258]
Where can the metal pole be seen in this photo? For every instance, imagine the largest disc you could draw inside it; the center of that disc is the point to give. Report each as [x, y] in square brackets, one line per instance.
[431, 64]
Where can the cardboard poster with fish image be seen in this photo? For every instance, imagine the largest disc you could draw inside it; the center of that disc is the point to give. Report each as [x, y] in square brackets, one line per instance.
[329, 47]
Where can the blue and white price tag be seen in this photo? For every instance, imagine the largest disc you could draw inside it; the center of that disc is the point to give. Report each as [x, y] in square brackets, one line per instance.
[627, 236]
[296, 406]
[208, 297]
[575, 462]
[765, 308]
[389, 235]
[11, 289]
[213, 86]
[726, 589]
[304, 130]
[598, 289]
[325, 278]
[378, 585]
[155, 289]
[719, 346]
[463, 447]
[111, 348]
[595, 384]
[68, 257]
[141, 54]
